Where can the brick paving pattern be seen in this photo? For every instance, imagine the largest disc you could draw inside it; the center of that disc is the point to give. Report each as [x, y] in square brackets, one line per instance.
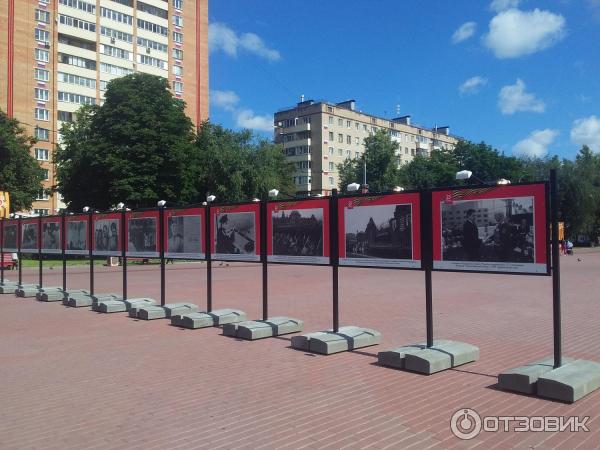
[72, 378]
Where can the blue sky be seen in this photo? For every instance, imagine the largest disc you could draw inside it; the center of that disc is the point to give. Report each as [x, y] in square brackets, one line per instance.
[523, 76]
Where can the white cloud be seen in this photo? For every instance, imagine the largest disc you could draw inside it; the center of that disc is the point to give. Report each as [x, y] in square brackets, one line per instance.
[221, 37]
[536, 144]
[514, 98]
[226, 100]
[245, 118]
[464, 32]
[501, 5]
[472, 85]
[515, 33]
[586, 131]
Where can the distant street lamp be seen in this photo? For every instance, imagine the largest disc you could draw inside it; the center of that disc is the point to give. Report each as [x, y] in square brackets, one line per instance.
[503, 181]
[466, 174]
[398, 189]
[353, 187]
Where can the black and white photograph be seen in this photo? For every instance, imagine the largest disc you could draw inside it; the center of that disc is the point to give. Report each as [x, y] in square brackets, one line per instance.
[142, 236]
[51, 237]
[184, 237]
[378, 235]
[235, 235]
[106, 236]
[491, 230]
[10, 237]
[30, 237]
[76, 237]
[298, 235]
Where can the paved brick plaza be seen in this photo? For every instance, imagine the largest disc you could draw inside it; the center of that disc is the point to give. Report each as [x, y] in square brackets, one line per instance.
[71, 378]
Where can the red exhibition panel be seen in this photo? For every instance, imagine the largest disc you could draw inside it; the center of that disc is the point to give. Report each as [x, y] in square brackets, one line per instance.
[52, 234]
[76, 235]
[106, 234]
[491, 229]
[30, 235]
[184, 233]
[10, 236]
[142, 234]
[298, 231]
[235, 232]
[380, 230]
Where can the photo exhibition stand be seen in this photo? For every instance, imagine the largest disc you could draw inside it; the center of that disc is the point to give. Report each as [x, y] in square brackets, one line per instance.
[20, 286]
[338, 339]
[210, 317]
[6, 286]
[431, 356]
[268, 326]
[554, 377]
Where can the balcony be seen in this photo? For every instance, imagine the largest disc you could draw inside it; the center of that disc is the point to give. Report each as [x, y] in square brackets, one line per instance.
[296, 128]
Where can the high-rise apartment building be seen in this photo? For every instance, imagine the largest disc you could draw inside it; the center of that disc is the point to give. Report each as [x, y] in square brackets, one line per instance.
[318, 135]
[59, 54]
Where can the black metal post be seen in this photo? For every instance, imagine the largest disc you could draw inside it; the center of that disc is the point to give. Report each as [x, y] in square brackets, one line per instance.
[123, 252]
[334, 256]
[161, 228]
[40, 261]
[207, 253]
[19, 237]
[91, 248]
[63, 244]
[555, 271]
[263, 258]
[427, 260]
[2, 251]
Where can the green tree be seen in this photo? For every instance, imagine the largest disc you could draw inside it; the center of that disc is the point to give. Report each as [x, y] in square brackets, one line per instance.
[135, 148]
[439, 169]
[20, 174]
[381, 164]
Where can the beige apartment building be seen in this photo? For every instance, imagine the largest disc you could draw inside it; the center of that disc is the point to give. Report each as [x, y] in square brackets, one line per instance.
[57, 55]
[319, 135]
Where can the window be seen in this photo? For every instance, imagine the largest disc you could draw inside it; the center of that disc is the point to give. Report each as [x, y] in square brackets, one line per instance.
[340, 138]
[406, 150]
[341, 122]
[65, 116]
[348, 123]
[41, 212]
[77, 23]
[348, 154]
[115, 52]
[178, 86]
[412, 152]
[177, 37]
[116, 34]
[76, 79]
[178, 21]
[357, 126]
[115, 70]
[42, 55]
[41, 74]
[76, 42]
[357, 155]
[77, 61]
[178, 70]
[330, 109]
[331, 181]
[79, 4]
[42, 114]
[152, 27]
[357, 141]
[331, 151]
[330, 120]
[177, 54]
[365, 128]
[340, 152]
[150, 61]
[41, 94]
[42, 154]
[46, 174]
[178, 4]
[152, 44]
[42, 134]
[103, 85]
[79, 99]
[150, 9]
[125, 2]
[331, 136]
[348, 139]
[42, 195]
[117, 16]
[42, 16]
[331, 167]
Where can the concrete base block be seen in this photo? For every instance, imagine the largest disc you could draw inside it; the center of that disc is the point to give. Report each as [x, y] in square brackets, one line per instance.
[8, 288]
[27, 291]
[57, 294]
[524, 378]
[81, 299]
[162, 312]
[570, 382]
[327, 342]
[214, 318]
[259, 329]
[444, 354]
[114, 306]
